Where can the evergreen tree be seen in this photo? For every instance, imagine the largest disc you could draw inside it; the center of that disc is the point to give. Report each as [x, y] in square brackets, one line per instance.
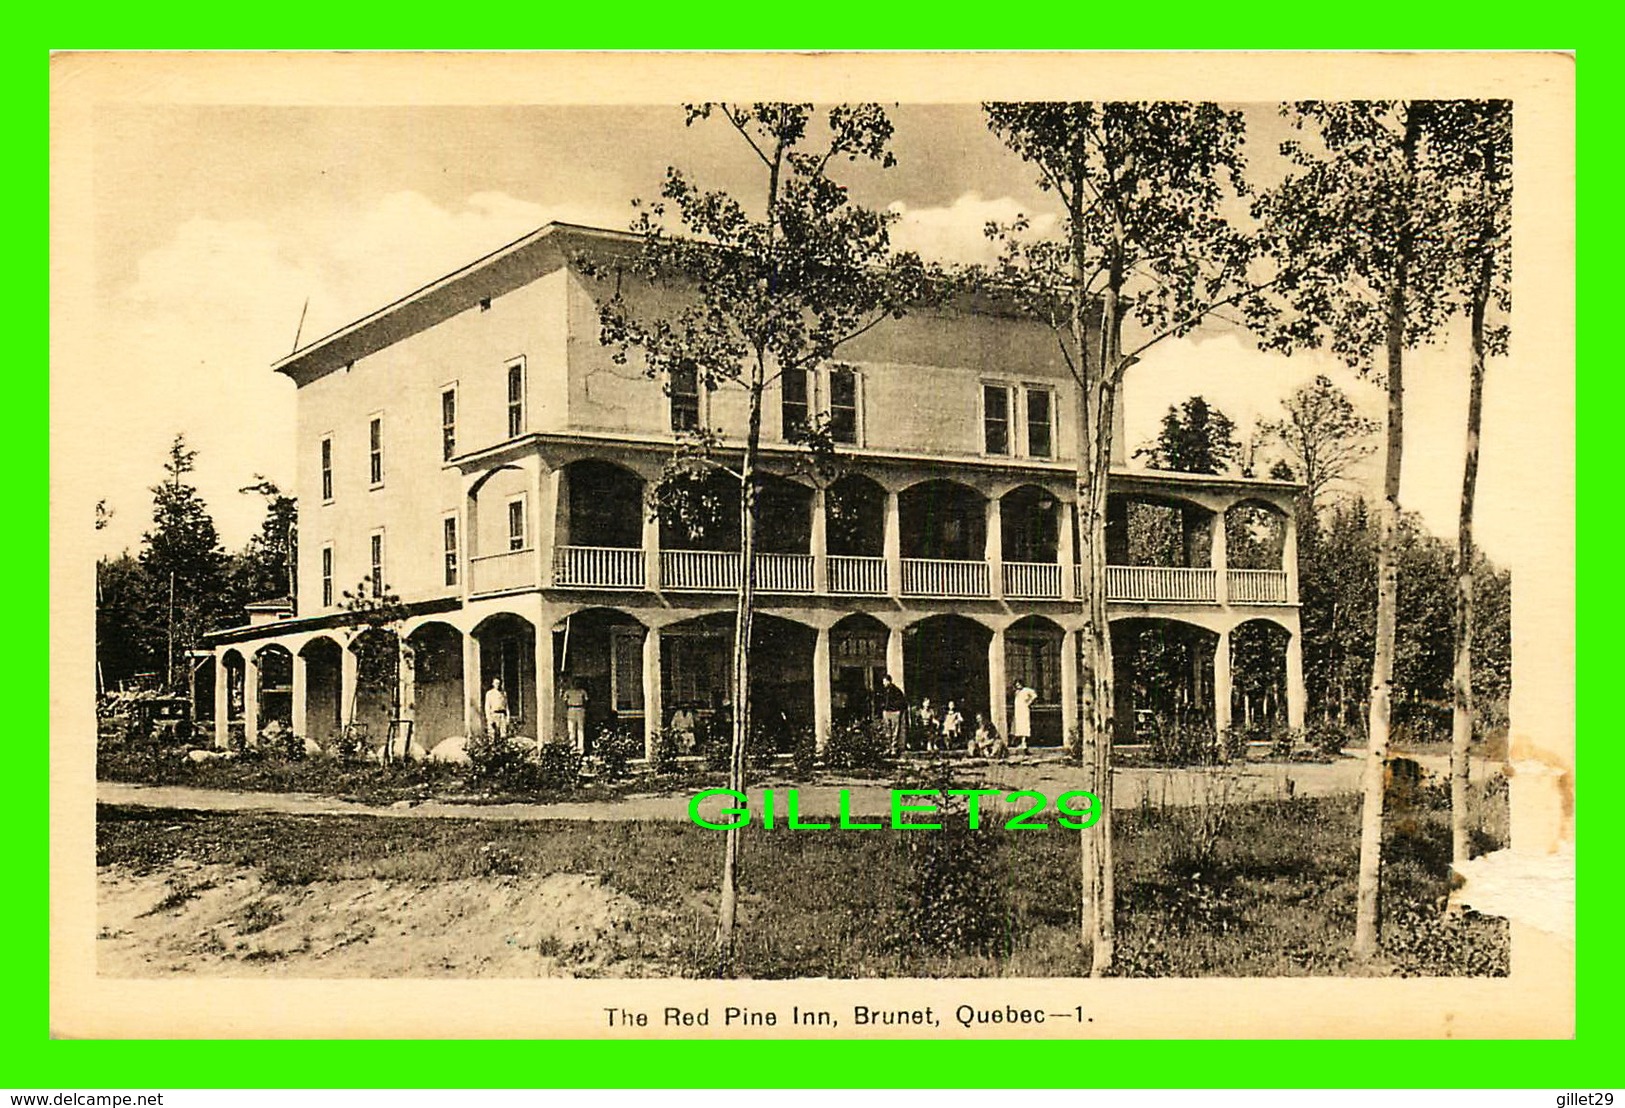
[1195, 438]
[184, 562]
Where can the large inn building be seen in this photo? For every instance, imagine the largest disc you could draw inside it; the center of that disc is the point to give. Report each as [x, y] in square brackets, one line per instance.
[475, 450]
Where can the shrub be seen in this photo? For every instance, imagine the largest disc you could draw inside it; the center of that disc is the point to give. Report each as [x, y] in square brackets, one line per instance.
[558, 766]
[1184, 743]
[805, 751]
[615, 747]
[1202, 826]
[498, 762]
[953, 897]
[857, 744]
[1327, 738]
[1233, 744]
[668, 745]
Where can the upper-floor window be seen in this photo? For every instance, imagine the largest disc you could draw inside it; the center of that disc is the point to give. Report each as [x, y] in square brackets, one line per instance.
[327, 576]
[996, 419]
[448, 534]
[516, 398]
[448, 423]
[685, 397]
[376, 573]
[516, 523]
[843, 404]
[793, 404]
[1040, 422]
[327, 469]
[375, 450]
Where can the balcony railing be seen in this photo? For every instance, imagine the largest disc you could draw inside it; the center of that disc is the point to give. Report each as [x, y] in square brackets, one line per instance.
[940, 577]
[1258, 586]
[856, 576]
[1032, 580]
[718, 571]
[504, 572]
[598, 567]
[1176, 584]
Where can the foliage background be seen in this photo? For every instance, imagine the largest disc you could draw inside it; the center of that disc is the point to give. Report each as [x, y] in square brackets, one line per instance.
[36, 1060]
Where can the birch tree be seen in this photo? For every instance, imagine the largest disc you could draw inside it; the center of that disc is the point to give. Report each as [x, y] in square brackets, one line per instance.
[1145, 254]
[1474, 138]
[771, 285]
[1362, 223]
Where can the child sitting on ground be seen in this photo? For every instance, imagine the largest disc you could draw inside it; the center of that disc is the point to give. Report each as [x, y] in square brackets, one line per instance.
[987, 742]
[952, 724]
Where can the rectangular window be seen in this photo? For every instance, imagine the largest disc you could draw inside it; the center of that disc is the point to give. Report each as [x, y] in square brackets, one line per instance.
[1040, 422]
[448, 528]
[327, 470]
[685, 398]
[996, 419]
[843, 404]
[448, 424]
[375, 450]
[516, 399]
[516, 523]
[327, 576]
[377, 573]
[793, 405]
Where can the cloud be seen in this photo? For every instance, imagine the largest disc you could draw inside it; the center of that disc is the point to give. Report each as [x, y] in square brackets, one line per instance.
[955, 233]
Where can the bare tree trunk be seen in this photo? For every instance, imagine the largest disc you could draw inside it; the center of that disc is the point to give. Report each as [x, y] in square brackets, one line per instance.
[1461, 714]
[1368, 917]
[744, 614]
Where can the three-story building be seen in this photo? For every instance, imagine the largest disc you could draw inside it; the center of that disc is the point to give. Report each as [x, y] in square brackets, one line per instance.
[475, 450]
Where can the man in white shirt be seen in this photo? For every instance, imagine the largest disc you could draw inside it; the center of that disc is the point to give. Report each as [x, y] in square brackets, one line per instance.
[496, 709]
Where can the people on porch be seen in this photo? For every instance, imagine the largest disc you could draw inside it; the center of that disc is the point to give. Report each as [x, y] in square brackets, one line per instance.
[1021, 715]
[930, 724]
[575, 714]
[893, 703]
[682, 728]
[496, 709]
[953, 723]
[987, 742]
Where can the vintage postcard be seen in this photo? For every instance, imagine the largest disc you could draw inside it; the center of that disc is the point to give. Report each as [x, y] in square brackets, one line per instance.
[818, 546]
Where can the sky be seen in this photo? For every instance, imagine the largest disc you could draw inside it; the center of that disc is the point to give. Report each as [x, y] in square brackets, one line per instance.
[215, 225]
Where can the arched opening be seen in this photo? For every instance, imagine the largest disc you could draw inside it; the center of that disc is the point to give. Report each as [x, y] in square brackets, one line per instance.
[275, 686]
[599, 651]
[700, 511]
[857, 659]
[602, 506]
[1255, 536]
[324, 704]
[377, 677]
[1258, 678]
[203, 671]
[508, 653]
[1146, 530]
[236, 675]
[943, 520]
[697, 675]
[1163, 678]
[1029, 519]
[946, 658]
[855, 517]
[436, 656]
[1032, 656]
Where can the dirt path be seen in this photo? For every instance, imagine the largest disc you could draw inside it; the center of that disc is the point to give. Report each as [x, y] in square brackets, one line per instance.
[866, 798]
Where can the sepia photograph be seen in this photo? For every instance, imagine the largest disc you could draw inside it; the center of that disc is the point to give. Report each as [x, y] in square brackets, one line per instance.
[872, 543]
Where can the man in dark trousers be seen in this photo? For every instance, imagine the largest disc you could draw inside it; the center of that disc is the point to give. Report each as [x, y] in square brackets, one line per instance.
[893, 705]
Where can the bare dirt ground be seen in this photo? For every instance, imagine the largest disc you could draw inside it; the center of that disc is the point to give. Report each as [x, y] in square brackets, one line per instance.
[189, 919]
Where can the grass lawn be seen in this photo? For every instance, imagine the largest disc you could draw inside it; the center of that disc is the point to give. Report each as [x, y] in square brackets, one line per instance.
[1210, 889]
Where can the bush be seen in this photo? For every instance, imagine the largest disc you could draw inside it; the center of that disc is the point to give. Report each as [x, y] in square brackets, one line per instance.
[805, 751]
[498, 762]
[558, 766]
[1233, 744]
[953, 897]
[857, 744]
[668, 745]
[615, 747]
[1184, 744]
[1328, 739]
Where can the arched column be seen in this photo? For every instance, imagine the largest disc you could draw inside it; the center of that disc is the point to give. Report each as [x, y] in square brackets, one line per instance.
[300, 719]
[651, 551]
[1221, 567]
[823, 713]
[993, 550]
[1069, 555]
[1295, 693]
[653, 710]
[222, 702]
[998, 702]
[1221, 682]
[547, 521]
[819, 544]
[251, 699]
[1289, 558]
[349, 673]
[546, 680]
[894, 654]
[1069, 683]
[894, 562]
[473, 719]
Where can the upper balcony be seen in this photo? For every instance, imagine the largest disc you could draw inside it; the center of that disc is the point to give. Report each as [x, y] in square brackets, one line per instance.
[936, 539]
